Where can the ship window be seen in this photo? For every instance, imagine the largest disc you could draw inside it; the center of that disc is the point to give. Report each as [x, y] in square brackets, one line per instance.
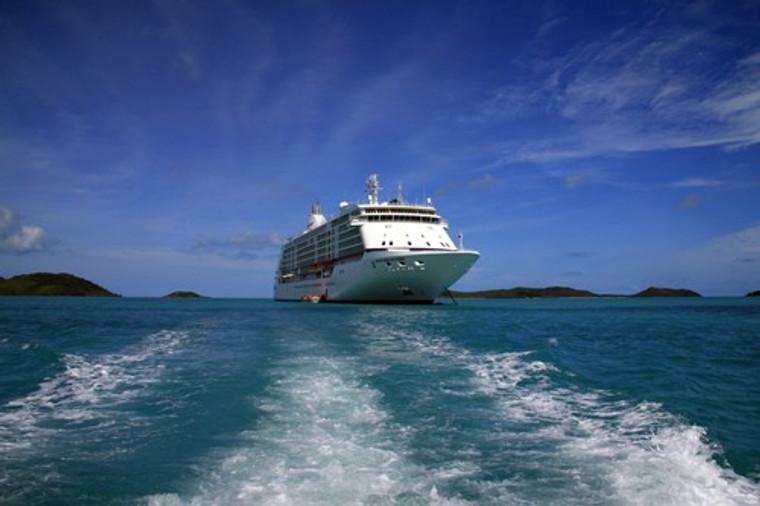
[409, 243]
[391, 243]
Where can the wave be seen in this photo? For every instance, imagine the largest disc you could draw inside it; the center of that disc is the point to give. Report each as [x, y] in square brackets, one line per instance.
[613, 449]
[331, 434]
[85, 394]
[578, 445]
[324, 440]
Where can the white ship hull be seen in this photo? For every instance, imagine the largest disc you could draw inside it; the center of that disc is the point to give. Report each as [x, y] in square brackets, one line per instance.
[381, 252]
[386, 276]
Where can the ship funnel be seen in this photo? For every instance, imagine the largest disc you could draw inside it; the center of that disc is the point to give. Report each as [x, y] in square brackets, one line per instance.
[317, 218]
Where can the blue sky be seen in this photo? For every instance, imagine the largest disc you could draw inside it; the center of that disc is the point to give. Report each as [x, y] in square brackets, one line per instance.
[153, 146]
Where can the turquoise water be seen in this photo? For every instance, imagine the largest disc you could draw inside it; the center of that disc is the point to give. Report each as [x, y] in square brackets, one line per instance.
[195, 402]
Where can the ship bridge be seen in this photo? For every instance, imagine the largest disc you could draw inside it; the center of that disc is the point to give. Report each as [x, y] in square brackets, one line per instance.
[403, 212]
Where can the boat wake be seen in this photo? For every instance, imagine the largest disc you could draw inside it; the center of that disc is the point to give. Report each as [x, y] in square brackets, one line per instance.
[81, 410]
[324, 440]
[585, 446]
[413, 418]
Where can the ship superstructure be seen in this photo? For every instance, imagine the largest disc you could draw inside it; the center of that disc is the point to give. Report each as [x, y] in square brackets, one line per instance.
[393, 252]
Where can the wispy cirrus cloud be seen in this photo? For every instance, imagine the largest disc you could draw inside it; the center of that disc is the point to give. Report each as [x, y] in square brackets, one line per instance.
[731, 257]
[741, 244]
[696, 182]
[484, 181]
[665, 85]
[246, 244]
[580, 254]
[689, 202]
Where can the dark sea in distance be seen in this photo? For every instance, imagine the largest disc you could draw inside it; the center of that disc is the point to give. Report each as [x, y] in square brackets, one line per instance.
[496, 402]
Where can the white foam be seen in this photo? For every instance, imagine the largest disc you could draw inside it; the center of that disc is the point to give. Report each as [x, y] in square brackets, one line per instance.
[616, 451]
[325, 440]
[85, 391]
[600, 448]
[674, 466]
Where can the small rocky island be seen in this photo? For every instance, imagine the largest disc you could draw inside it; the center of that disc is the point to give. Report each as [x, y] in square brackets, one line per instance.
[654, 291]
[184, 295]
[756, 293]
[47, 284]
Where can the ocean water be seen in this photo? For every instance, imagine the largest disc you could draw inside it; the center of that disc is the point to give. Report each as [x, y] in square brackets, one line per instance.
[514, 402]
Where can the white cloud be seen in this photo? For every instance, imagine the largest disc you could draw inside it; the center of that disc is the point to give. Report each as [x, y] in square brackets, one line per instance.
[16, 237]
[483, 181]
[169, 258]
[574, 180]
[696, 182]
[244, 244]
[737, 246]
[646, 88]
[689, 202]
[730, 258]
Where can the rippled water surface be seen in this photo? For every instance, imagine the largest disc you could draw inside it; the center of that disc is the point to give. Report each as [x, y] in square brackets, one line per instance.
[193, 402]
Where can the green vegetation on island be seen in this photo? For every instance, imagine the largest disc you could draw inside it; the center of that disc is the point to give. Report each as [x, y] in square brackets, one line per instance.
[564, 292]
[46, 284]
[62, 284]
[520, 292]
[184, 295]
[654, 291]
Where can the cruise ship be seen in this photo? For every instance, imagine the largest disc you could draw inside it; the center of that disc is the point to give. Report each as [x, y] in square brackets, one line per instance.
[375, 252]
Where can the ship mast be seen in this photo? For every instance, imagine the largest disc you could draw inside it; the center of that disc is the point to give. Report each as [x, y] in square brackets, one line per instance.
[373, 189]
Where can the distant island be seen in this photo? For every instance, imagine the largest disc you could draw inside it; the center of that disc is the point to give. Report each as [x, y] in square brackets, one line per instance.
[184, 295]
[654, 291]
[63, 284]
[564, 292]
[46, 284]
[520, 292]
[756, 293]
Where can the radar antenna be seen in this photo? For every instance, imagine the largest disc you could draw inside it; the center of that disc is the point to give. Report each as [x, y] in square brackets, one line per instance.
[373, 188]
